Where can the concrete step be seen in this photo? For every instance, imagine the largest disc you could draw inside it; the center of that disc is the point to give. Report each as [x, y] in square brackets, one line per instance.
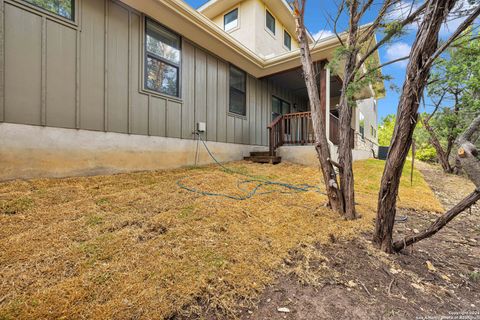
[264, 159]
[260, 153]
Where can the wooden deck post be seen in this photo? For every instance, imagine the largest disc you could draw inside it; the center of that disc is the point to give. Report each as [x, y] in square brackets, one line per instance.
[323, 93]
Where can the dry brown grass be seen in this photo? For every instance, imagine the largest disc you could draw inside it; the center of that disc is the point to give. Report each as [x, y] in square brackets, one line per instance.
[137, 246]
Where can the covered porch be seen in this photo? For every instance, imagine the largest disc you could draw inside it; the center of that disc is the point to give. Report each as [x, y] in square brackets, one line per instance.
[292, 125]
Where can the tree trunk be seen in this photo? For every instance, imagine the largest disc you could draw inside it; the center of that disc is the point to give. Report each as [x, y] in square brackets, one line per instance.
[467, 154]
[345, 148]
[318, 121]
[441, 155]
[451, 134]
[345, 115]
[418, 70]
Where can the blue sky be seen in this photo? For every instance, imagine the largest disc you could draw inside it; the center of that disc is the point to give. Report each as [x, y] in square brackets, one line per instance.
[317, 21]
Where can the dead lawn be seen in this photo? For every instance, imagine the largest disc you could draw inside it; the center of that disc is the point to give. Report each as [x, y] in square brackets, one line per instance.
[137, 246]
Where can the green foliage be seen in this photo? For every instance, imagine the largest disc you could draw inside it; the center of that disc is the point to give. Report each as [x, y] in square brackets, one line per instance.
[474, 276]
[60, 7]
[394, 29]
[455, 81]
[385, 130]
[424, 150]
[426, 153]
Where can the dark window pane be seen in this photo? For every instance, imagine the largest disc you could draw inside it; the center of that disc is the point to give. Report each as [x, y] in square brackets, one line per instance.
[237, 79]
[285, 107]
[279, 107]
[237, 91]
[162, 42]
[270, 22]
[161, 77]
[276, 107]
[287, 40]
[231, 20]
[63, 8]
[237, 102]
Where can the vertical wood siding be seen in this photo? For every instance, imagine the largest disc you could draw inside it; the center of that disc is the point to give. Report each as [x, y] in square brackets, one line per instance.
[89, 76]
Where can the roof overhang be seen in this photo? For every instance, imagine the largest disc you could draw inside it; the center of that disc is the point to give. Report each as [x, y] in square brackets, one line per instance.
[180, 17]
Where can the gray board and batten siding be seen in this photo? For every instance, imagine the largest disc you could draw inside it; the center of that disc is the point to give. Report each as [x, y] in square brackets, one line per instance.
[88, 74]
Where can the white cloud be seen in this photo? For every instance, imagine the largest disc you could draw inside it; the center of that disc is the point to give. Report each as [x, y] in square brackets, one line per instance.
[321, 34]
[398, 50]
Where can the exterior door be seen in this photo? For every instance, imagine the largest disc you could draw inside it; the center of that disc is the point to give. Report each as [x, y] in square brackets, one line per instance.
[279, 107]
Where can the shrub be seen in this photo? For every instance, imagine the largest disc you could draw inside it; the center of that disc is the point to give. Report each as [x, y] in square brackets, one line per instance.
[427, 154]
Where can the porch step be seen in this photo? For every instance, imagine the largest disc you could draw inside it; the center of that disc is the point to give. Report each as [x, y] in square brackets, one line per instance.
[259, 153]
[263, 157]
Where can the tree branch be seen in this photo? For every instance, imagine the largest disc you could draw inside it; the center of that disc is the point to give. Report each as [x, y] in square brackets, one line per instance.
[381, 66]
[467, 134]
[440, 222]
[465, 24]
[387, 37]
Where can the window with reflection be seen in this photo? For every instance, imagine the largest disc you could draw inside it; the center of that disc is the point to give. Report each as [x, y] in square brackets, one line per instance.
[287, 40]
[230, 20]
[63, 8]
[162, 59]
[270, 22]
[362, 125]
[238, 101]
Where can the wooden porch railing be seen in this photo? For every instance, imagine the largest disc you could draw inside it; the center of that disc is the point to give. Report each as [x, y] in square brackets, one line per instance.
[297, 129]
[334, 133]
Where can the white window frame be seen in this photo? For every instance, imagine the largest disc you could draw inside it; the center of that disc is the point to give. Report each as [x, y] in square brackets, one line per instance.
[273, 33]
[285, 32]
[237, 26]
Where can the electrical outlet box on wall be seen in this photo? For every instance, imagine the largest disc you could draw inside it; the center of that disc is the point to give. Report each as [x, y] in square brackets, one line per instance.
[201, 126]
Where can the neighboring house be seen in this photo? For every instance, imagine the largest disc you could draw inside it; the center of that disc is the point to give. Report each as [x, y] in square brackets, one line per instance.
[104, 86]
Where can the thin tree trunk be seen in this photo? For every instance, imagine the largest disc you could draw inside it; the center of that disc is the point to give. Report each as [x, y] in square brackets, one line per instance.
[345, 116]
[441, 155]
[345, 147]
[318, 120]
[451, 135]
[424, 47]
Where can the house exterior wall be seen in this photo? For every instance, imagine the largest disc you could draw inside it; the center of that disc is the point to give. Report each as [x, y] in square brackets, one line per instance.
[89, 75]
[369, 142]
[252, 30]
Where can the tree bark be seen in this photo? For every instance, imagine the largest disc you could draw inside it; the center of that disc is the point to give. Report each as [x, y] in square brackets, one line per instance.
[345, 115]
[345, 147]
[318, 120]
[418, 70]
[441, 155]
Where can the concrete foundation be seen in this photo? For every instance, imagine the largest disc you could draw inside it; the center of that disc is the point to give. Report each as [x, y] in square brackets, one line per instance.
[307, 155]
[33, 151]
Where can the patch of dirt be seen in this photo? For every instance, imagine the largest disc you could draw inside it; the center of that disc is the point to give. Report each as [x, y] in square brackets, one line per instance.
[437, 277]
